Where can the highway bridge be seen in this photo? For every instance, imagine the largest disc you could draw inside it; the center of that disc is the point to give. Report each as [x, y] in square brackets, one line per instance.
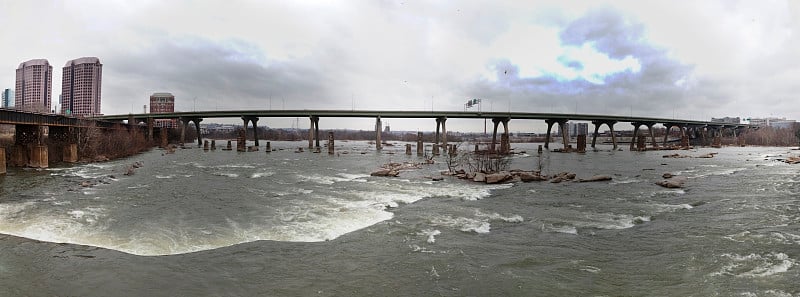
[252, 116]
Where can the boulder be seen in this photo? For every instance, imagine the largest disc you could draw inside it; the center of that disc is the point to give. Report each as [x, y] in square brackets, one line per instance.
[531, 176]
[596, 178]
[381, 172]
[667, 175]
[673, 182]
[495, 178]
[479, 177]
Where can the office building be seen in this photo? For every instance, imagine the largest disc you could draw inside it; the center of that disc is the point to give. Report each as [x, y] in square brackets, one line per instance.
[163, 103]
[576, 129]
[33, 88]
[80, 87]
[6, 97]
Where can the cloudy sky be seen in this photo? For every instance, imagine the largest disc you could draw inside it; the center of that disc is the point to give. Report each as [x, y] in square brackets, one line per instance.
[672, 59]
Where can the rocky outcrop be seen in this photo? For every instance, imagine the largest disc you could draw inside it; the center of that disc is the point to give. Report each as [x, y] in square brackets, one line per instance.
[499, 177]
[563, 176]
[673, 181]
[385, 172]
[393, 169]
[596, 178]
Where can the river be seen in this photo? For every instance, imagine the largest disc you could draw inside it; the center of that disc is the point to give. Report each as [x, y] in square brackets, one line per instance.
[222, 223]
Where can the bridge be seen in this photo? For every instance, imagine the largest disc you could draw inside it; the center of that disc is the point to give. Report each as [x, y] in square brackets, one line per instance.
[252, 116]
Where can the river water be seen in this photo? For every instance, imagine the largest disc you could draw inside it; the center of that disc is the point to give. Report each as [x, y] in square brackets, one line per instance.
[223, 223]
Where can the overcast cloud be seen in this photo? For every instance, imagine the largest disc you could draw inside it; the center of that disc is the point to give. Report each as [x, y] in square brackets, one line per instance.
[684, 59]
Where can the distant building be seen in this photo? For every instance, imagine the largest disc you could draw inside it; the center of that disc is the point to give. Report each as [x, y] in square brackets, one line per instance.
[772, 122]
[6, 97]
[727, 120]
[80, 87]
[163, 103]
[33, 88]
[576, 129]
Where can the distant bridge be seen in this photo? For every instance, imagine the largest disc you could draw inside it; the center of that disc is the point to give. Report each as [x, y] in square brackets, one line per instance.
[252, 116]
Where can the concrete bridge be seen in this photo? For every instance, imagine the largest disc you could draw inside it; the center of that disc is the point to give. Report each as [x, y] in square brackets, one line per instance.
[704, 129]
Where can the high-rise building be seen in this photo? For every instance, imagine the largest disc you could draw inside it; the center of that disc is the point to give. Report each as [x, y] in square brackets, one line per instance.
[7, 96]
[33, 88]
[80, 87]
[163, 103]
[576, 129]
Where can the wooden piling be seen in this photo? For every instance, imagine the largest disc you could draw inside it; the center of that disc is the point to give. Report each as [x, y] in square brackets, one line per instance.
[330, 143]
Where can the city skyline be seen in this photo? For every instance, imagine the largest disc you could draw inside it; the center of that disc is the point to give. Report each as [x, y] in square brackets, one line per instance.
[660, 58]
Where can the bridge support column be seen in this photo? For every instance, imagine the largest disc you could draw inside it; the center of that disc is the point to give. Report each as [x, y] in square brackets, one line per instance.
[197, 129]
[330, 143]
[610, 125]
[253, 120]
[38, 156]
[549, 128]
[408, 149]
[150, 124]
[184, 123]
[496, 122]
[564, 134]
[652, 135]
[420, 147]
[378, 130]
[313, 132]
[70, 153]
[2, 161]
[440, 121]
[163, 134]
[634, 137]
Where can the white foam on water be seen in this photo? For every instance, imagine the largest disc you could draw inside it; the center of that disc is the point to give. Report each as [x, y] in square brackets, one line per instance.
[227, 174]
[321, 179]
[165, 176]
[139, 186]
[566, 229]
[498, 217]
[755, 265]
[463, 224]
[590, 269]
[262, 174]
[430, 234]
[608, 221]
[625, 180]
[354, 177]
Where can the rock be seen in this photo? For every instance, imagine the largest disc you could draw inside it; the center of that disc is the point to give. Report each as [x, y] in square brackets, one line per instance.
[530, 177]
[469, 175]
[86, 183]
[130, 170]
[706, 156]
[495, 178]
[380, 172]
[479, 177]
[667, 175]
[596, 178]
[437, 178]
[673, 182]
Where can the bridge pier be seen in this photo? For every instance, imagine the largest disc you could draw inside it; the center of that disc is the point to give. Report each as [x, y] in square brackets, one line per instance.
[150, 124]
[496, 122]
[610, 125]
[440, 121]
[634, 139]
[378, 131]
[420, 147]
[313, 132]
[330, 143]
[185, 122]
[562, 125]
[253, 120]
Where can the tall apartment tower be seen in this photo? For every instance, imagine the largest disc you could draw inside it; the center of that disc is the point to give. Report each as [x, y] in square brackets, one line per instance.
[163, 103]
[33, 89]
[7, 96]
[80, 87]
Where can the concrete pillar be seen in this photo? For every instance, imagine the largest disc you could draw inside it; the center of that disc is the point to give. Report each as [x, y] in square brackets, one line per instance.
[408, 149]
[197, 129]
[150, 124]
[269, 147]
[420, 147]
[255, 130]
[184, 123]
[229, 146]
[581, 147]
[596, 132]
[206, 145]
[504, 144]
[18, 156]
[378, 130]
[666, 133]
[316, 133]
[436, 135]
[444, 131]
[70, 153]
[330, 143]
[549, 128]
[635, 134]
[241, 145]
[564, 134]
[245, 124]
[164, 133]
[2, 160]
[38, 156]
[213, 145]
[613, 135]
[496, 122]
[311, 133]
